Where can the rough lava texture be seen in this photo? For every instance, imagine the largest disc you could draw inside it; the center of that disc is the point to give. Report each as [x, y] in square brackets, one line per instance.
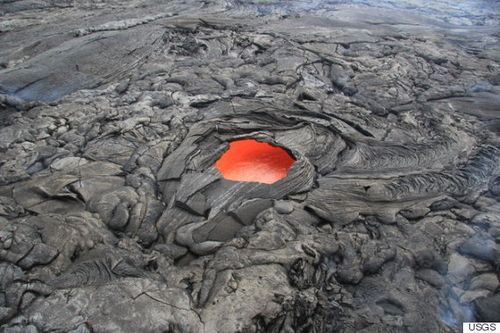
[113, 217]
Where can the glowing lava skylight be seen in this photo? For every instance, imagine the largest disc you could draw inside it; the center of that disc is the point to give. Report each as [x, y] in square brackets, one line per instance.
[249, 160]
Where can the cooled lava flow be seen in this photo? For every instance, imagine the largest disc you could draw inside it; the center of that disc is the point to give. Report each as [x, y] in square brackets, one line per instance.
[259, 166]
[252, 161]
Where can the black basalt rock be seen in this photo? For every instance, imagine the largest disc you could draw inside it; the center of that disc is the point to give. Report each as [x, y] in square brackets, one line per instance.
[115, 212]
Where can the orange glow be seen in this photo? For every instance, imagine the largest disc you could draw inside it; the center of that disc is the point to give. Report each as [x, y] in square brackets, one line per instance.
[249, 160]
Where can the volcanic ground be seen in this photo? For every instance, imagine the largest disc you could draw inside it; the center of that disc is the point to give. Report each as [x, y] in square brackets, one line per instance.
[249, 166]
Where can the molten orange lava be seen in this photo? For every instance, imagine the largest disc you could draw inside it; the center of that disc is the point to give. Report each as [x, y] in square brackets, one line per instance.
[249, 160]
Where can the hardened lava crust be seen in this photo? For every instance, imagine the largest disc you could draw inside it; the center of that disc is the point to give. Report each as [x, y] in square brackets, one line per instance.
[114, 214]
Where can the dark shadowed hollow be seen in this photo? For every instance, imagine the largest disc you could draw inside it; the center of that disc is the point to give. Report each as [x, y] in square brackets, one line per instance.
[250, 160]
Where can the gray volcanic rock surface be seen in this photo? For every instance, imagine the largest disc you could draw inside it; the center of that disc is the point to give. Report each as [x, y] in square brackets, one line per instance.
[113, 217]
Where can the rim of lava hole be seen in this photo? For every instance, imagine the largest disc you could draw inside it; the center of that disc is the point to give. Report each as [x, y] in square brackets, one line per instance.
[249, 160]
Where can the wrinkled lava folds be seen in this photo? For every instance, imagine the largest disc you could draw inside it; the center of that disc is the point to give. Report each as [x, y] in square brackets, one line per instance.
[249, 160]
